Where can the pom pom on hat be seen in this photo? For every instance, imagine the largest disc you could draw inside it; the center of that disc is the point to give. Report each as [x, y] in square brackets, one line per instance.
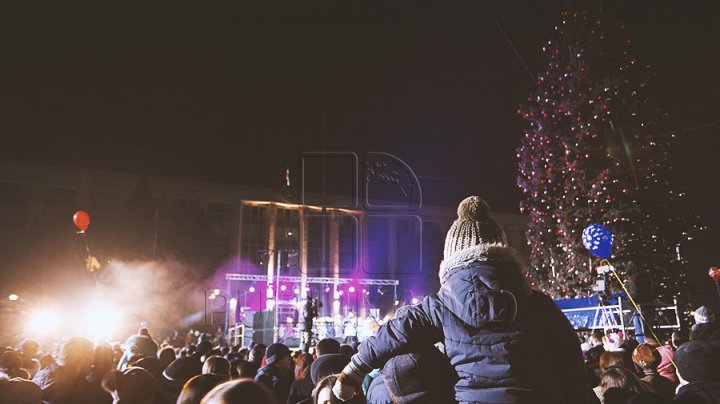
[473, 208]
[474, 226]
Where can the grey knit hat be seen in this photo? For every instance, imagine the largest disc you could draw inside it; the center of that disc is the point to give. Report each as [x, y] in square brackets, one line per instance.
[473, 236]
[473, 227]
[704, 315]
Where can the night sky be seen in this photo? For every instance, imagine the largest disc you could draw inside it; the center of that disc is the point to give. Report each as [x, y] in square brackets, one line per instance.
[234, 91]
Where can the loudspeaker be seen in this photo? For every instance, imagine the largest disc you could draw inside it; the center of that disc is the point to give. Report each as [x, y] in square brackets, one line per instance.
[263, 322]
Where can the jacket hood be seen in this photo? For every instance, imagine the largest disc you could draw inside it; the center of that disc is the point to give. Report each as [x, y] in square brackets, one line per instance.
[484, 285]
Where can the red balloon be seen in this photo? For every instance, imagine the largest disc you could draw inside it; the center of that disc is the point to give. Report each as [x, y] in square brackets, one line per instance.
[81, 220]
[714, 273]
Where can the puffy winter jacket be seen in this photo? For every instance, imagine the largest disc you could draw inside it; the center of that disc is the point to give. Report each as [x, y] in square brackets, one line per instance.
[705, 392]
[277, 381]
[507, 343]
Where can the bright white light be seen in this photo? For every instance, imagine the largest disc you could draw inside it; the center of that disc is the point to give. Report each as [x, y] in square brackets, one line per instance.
[351, 289]
[397, 302]
[327, 289]
[283, 288]
[270, 304]
[414, 300]
[269, 293]
[100, 320]
[252, 289]
[43, 321]
[216, 292]
[13, 297]
[336, 305]
[296, 291]
[233, 303]
[289, 320]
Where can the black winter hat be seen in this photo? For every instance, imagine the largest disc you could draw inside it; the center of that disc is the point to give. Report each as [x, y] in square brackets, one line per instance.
[425, 377]
[180, 371]
[326, 365]
[698, 361]
[275, 352]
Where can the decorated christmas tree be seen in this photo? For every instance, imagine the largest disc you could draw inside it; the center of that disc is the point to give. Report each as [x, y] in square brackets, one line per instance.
[595, 152]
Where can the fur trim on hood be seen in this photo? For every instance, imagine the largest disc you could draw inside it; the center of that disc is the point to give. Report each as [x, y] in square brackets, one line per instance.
[492, 253]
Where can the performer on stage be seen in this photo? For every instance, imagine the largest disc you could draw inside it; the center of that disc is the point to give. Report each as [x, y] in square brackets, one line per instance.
[640, 287]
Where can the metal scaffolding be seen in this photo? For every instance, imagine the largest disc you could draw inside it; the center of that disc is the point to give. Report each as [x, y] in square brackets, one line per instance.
[314, 279]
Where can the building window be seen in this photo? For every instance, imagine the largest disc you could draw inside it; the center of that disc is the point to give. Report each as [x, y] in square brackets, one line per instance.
[254, 235]
[14, 204]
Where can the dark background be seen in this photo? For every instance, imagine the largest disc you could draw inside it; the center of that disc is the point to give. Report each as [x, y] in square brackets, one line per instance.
[234, 92]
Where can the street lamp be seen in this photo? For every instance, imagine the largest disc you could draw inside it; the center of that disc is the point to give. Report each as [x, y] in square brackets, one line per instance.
[212, 295]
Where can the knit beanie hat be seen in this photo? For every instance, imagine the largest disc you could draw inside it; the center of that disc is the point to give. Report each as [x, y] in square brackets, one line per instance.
[698, 361]
[420, 378]
[180, 371]
[613, 342]
[275, 352]
[704, 315]
[326, 365]
[473, 228]
[133, 385]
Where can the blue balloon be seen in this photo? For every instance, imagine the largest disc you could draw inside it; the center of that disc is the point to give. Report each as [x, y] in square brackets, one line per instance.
[598, 240]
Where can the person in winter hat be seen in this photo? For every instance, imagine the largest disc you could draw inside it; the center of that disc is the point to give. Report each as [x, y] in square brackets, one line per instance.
[506, 342]
[176, 375]
[19, 391]
[278, 375]
[613, 342]
[133, 385]
[67, 381]
[139, 345]
[647, 359]
[698, 368]
[422, 377]
[703, 315]
[705, 327]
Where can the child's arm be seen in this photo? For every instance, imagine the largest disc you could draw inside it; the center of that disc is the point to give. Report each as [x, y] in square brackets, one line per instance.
[397, 336]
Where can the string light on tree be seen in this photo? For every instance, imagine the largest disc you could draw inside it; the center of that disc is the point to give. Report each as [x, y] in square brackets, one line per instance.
[593, 154]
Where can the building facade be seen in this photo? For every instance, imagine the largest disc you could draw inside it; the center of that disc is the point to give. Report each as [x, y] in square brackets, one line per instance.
[217, 227]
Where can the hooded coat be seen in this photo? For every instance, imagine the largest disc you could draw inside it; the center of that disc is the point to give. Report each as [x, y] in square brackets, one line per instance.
[507, 343]
[700, 392]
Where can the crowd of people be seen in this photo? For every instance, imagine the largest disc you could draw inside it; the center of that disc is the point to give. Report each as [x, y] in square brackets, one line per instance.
[484, 337]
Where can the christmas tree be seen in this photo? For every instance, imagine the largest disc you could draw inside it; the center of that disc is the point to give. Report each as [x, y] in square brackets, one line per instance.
[595, 152]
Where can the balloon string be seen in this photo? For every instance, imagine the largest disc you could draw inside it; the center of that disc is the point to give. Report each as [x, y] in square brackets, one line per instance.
[637, 308]
[90, 259]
